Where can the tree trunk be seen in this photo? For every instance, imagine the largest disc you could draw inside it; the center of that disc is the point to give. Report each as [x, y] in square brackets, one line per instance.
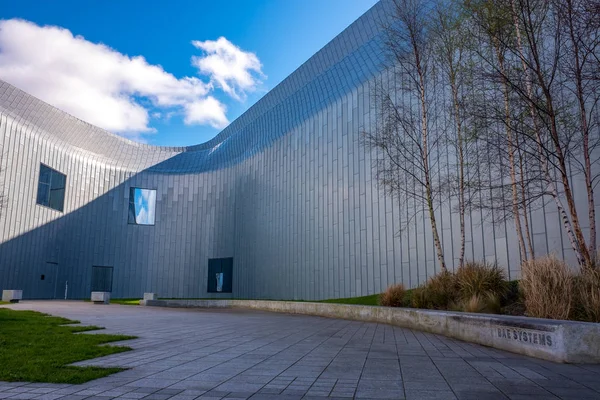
[551, 186]
[461, 165]
[528, 238]
[511, 153]
[584, 132]
[425, 156]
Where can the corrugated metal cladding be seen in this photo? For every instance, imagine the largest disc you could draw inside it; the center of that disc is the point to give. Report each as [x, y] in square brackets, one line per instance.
[286, 190]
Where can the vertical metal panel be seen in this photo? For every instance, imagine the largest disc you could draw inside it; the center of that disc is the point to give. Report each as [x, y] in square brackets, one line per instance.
[286, 190]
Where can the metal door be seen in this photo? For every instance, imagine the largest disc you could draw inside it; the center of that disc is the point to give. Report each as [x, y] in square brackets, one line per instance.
[48, 281]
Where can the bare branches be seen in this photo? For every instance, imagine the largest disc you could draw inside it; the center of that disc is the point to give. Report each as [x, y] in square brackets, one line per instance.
[404, 133]
[517, 82]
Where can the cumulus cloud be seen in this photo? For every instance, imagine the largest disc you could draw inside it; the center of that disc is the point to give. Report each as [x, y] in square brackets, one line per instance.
[114, 91]
[205, 111]
[232, 69]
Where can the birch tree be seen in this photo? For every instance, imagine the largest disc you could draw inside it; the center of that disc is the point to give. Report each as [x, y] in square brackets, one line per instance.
[404, 132]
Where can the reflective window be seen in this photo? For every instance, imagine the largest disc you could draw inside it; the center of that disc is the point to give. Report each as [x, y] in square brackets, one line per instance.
[142, 206]
[51, 188]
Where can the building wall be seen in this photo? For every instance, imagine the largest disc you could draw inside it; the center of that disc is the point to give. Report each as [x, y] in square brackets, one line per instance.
[286, 190]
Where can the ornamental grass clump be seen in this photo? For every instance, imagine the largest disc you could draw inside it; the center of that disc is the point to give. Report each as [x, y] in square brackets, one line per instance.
[393, 296]
[480, 279]
[548, 288]
[488, 303]
[587, 295]
[439, 292]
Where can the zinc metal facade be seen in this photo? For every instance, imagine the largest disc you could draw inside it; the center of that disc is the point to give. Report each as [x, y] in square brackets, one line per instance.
[286, 190]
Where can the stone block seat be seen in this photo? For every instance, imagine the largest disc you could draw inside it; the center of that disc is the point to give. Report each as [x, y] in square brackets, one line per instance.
[12, 296]
[101, 297]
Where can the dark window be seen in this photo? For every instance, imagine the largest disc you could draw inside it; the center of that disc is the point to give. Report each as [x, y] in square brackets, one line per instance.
[102, 279]
[51, 188]
[43, 277]
[220, 274]
[142, 206]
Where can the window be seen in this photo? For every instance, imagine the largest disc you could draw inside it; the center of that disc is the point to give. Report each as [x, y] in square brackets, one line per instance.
[51, 188]
[220, 273]
[142, 206]
[102, 279]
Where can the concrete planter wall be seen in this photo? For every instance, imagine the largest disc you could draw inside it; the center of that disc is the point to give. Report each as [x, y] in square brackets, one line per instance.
[560, 341]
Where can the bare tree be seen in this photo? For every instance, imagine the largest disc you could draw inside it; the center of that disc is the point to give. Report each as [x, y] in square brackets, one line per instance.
[451, 47]
[580, 21]
[404, 132]
[517, 81]
[499, 108]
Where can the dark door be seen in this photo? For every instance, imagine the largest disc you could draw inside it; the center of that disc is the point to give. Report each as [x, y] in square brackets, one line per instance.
[48, 280]
[220, 275]
[102, 279]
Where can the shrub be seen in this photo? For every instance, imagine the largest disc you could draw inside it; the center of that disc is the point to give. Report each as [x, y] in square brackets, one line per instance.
[488, 303]
[547, 285]
[480, 279]
[418, 298]
[587, 294]
[438, 292]
[512, 302]
[441, 290]
[393, 296]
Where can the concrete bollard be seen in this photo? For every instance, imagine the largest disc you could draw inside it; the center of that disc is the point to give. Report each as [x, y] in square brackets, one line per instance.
[101, 297]
[12, 296]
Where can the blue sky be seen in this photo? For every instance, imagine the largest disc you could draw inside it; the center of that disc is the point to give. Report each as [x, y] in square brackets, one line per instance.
[264, 41]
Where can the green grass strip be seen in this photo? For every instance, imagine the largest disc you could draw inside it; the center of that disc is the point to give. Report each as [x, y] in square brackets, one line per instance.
[36, 347]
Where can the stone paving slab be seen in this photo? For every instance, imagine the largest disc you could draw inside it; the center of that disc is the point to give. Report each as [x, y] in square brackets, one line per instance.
[188, 354]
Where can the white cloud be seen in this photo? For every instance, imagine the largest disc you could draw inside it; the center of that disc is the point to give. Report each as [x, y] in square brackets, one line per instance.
[234, 70]
[206, 111]
[104, 87]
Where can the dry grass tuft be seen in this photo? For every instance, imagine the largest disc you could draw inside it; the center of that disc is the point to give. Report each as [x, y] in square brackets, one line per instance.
[488, 303]
[587, 292]
[480, 279]
[439, 292]
[419, 298]
[393, 296]
[547, 285]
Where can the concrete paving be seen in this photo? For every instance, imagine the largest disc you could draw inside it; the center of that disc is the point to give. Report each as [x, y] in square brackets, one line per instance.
[184, 354]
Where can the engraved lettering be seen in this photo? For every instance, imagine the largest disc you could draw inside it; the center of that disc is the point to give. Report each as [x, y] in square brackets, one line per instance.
[525, 336]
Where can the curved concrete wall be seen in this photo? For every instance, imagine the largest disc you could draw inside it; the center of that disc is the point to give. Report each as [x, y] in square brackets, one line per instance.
[286, 190]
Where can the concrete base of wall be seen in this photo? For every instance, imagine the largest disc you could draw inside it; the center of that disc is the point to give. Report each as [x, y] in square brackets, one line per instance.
[560, 341]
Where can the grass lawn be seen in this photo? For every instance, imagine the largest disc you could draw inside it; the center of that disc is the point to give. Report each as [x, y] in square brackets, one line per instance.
[127, 302]
[36, 347]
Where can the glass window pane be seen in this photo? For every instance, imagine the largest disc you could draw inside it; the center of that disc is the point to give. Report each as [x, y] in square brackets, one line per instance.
[51, 188]
[57, 199]
[43, 192]
[58, 180]
[142, 206]
[131, 213]
[45, 173]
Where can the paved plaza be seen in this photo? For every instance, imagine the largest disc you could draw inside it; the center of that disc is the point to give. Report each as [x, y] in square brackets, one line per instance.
[184, 354]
